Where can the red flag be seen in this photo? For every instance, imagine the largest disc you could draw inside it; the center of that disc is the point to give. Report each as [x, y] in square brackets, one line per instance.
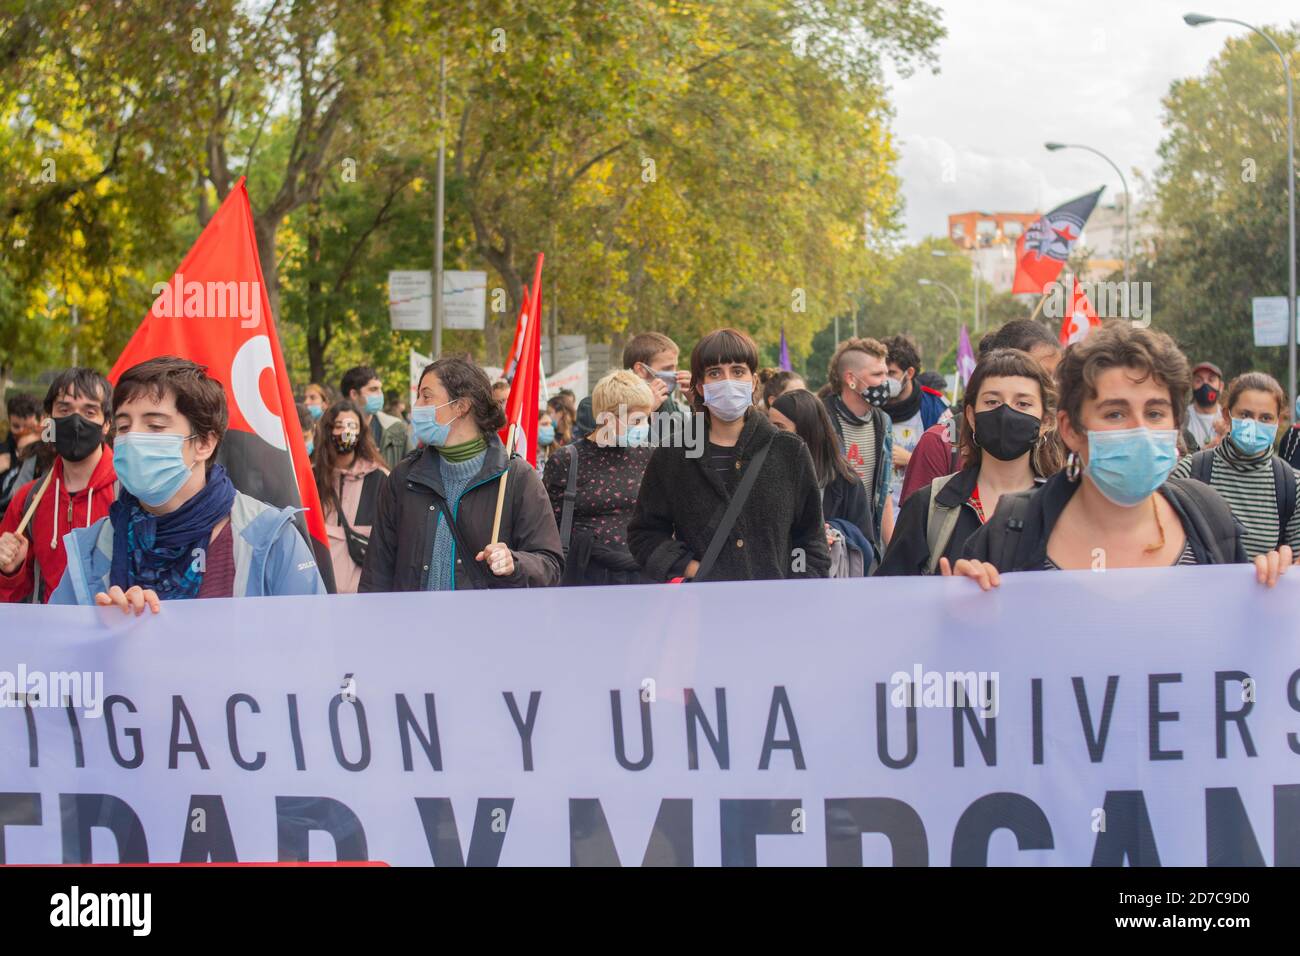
[1080, 319]
[526, 357]
[1042, 249]
[512, 357]
[215, 312]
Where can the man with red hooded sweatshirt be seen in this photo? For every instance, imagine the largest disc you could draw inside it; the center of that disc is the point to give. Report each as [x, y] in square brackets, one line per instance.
[78, 492]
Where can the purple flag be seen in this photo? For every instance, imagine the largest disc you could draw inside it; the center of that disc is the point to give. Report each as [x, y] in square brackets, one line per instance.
[785, 351]
[965, 357]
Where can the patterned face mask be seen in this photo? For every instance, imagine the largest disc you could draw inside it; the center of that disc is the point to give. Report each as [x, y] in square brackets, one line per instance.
[345, 443]
[880, 394]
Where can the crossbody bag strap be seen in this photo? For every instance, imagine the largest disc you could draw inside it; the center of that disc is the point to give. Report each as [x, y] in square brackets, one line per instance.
[723, 530]
[570, 499]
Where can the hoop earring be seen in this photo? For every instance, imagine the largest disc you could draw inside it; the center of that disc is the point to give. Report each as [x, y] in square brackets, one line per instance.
[1072, 467]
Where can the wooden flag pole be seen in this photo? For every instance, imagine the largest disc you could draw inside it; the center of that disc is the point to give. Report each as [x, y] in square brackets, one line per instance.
[501, 488]
[1039, 308]
[31, 509]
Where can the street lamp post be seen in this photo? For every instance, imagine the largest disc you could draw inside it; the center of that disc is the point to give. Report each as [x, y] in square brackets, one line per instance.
[957, 301]
[439, 205]
[1053, 147]
[976, 277]
[1196, 20]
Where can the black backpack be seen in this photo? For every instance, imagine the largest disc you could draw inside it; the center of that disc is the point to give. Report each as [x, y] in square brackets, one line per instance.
[1284, 487]
[1214, 532]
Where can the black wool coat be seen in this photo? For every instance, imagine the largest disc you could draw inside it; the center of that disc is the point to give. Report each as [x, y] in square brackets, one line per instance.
[682, 498]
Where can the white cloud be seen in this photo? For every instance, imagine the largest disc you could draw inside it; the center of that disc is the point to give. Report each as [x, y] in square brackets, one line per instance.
[1017, 73]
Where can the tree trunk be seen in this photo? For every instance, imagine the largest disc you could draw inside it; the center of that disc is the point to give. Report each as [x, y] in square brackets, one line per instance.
[265, 230]
[316, 319]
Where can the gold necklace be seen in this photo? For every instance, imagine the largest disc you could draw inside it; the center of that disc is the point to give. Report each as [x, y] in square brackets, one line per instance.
[1155, 512]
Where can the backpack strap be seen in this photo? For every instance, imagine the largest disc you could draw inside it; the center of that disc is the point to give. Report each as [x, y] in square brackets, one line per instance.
[1210, 517]
[723, 530]
[570, 500]
[940, 522]
[1203, 465]
[1284, 485]
[1012, 539]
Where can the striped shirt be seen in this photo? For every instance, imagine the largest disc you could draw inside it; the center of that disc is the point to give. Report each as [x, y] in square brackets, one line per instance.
[1248, 487]
[1187, 557]
[860, 449]
[1289, 450]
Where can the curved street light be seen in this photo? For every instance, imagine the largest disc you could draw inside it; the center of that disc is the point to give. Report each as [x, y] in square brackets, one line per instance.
[1053, 147]
[1196, 20]
[977, 276]
[957, 301]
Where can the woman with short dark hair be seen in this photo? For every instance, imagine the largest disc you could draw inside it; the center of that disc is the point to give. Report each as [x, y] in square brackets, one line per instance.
[680, 511]
[179, 529]
[433, 527]
[1005, 414]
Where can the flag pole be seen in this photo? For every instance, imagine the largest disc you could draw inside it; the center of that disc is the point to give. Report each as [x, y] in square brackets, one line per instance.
[36, 500]
[501, 488]
[1039, 308]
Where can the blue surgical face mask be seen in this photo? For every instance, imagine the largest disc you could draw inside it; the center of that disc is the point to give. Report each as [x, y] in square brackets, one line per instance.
[1127, 465]
[427, 427]
[316, 411]
[636, 436]
[545, 434]
[729, 398]
[150, 465]
[374, 403]
[1252, 437]
[311, 447]
[669, 377]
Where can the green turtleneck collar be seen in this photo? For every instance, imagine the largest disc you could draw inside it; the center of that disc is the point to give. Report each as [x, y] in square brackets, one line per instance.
[465, 450]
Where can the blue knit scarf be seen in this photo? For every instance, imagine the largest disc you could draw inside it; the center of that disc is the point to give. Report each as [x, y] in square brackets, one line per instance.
[157, 551]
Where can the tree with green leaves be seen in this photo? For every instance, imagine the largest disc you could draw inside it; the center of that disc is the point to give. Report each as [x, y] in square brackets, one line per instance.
[1222, 204]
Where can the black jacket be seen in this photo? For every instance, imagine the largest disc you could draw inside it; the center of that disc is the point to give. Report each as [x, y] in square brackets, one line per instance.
[401, 541]
[1015, 538]
[884, 466]
[909, 548]
[846, 499]
[681, 499]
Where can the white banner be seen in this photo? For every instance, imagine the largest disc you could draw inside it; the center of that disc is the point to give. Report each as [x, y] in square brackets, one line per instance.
[1268, 318]
[1141, 716]
[572, 377]
[410, 301]
[418, 363]
[464, 299]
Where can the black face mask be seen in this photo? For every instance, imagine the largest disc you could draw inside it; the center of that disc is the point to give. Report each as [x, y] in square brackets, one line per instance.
[76, 438]
[1205, 394]
[1005, 433]
[344, 443]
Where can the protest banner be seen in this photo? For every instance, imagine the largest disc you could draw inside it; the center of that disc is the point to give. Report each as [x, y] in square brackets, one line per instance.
[1136, 717]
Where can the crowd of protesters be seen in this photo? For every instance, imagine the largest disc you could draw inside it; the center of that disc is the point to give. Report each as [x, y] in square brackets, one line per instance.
[1115, 450]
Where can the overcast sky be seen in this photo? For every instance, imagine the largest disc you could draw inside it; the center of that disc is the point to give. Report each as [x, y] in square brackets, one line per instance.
[1014, 74]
